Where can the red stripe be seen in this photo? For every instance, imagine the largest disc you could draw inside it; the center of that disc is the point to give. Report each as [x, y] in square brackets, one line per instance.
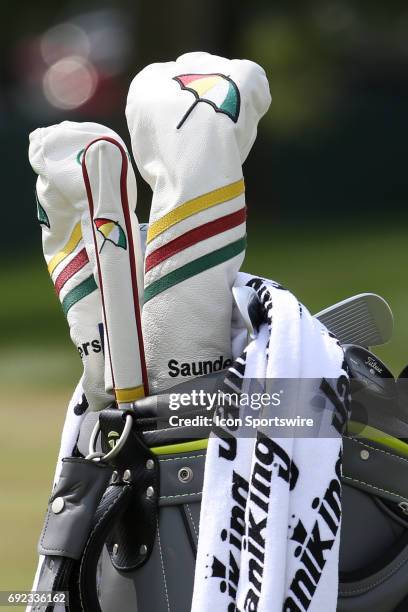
[77, 263]
[102, 221]
[132, 262]
[198, 234]
[187, 78]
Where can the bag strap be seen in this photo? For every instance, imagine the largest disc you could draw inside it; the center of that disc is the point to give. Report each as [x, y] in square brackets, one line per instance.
[113, 504]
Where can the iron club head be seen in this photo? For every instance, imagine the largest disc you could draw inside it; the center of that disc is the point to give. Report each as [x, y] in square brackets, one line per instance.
[364, 319]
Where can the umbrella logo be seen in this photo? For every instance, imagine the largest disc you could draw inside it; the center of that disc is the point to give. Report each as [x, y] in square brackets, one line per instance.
[111, 232]
[217, 90]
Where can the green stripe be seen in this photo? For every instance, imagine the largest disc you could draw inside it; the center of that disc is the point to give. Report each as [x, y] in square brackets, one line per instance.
[194, 267]
[183, 447]
[360, 430]
[78, 293]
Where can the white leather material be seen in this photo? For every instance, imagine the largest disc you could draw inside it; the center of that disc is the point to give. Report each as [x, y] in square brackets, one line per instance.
[193, 163]
[55, 154]
[111, 188]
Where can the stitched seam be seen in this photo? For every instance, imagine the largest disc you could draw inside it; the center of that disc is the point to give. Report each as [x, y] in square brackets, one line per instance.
[377, 582]
[180, 458]
[162, 565]
[180, 495]
[374, 487]
[44, 546]
[44, 535]
[192, 520]
[378, 450]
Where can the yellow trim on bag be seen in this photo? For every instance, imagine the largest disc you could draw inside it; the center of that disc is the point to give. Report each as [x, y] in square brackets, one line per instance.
[360, 430]
[129, 395]
[192, 207]
[67, 249]
[183, 447]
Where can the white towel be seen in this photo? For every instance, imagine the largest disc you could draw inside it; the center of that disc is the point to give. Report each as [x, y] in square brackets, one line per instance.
[192, 124]
[272, 544]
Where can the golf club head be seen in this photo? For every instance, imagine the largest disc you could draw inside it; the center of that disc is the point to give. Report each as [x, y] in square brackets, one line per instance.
[376, 400]
[364, 319]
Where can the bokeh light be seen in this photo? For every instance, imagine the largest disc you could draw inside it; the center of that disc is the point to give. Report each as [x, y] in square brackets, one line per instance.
[77, 65]
[63, 40]
[69, 82]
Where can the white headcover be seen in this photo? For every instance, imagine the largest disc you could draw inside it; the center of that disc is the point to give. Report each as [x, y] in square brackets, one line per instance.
[192, 123]
[55, 154]
[120, 263]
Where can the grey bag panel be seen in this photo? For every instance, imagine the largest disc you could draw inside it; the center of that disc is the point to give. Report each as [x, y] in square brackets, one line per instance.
[173, 490]
[165, 582]
[373, 543]
[381, 593]
[364, 524]
[192, 513]
[368, 537]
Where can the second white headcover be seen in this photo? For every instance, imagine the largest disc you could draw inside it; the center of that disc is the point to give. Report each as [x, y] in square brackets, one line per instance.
[192, 124]
[106, 172]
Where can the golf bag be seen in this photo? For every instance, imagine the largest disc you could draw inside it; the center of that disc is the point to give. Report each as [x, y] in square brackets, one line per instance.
[128, 535]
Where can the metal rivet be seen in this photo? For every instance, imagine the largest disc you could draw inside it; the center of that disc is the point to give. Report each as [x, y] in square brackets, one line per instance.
[127, 475]
[57, 505]
[149, 492]
[150, 464]
[364, 454]
[185, 474]
[114, 477]
[115, 549]
[143, 549]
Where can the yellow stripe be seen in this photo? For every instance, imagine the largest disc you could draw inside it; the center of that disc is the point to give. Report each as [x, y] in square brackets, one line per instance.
[192, 207]
[201, 86]
[129, 395]
[68, 248]
[184, 447]
[106, 229]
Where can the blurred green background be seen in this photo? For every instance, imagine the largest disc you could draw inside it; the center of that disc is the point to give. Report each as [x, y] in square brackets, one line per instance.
[326, 182]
